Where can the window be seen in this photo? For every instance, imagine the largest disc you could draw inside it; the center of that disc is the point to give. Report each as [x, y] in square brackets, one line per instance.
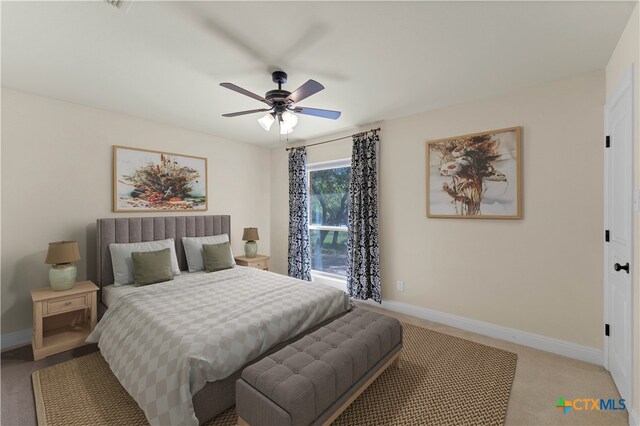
[328, 216]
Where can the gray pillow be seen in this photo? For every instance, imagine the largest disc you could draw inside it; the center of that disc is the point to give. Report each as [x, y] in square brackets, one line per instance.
[123, 265]
[193, 249]
[217, 256]
[150, 267]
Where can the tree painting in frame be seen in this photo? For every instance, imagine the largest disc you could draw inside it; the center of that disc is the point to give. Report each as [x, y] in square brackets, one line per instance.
[153, 181]
[475, 176]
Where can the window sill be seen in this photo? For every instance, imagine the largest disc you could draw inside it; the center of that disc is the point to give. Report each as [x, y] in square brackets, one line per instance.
[320, 278]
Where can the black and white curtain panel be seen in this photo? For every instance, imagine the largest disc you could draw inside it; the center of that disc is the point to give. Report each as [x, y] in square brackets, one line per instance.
[363, 276]
[299, 241]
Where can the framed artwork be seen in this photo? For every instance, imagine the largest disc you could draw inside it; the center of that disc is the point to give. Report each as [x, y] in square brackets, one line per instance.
[475, 176]
[153, 181]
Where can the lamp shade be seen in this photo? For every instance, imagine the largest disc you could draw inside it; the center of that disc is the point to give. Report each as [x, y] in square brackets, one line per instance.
[62, 252]
[250, 234]
[284, 129]
[290, 119]
[266, 121]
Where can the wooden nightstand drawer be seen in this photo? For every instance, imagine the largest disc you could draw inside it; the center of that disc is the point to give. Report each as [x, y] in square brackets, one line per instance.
[67, 304]
[259, 262]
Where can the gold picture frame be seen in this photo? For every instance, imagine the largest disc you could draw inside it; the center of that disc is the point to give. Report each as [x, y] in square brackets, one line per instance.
[156, 181]
[475, 176]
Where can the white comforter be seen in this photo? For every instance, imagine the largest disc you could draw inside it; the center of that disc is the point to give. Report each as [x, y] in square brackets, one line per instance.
[165, 342]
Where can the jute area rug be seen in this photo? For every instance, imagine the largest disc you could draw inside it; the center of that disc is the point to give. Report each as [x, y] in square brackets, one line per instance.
[438, 380]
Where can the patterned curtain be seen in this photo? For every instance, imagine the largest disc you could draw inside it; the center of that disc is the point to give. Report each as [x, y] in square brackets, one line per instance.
[363, 276]
[299, 242]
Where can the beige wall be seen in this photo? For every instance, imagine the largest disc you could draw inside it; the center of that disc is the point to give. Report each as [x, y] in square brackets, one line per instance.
[57, 180]
[542, 274]
[627, 52]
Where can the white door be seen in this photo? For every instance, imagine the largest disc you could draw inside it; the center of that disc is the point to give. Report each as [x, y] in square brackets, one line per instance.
[619, 267]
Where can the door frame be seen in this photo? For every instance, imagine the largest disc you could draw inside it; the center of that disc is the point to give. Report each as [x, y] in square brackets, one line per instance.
[626, 84]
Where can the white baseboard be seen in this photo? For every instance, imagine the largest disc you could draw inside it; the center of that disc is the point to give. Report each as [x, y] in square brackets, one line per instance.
[633, 418]
[15, 339]
[532, 340]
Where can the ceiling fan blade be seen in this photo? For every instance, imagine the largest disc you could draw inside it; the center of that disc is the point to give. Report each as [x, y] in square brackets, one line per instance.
[309, 88]
[251, 111]
[245, 92]
[324, 113]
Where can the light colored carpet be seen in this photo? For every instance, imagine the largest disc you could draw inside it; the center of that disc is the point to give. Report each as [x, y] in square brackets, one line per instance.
[438, 380]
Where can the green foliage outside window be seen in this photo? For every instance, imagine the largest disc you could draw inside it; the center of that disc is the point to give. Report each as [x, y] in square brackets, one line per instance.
[329, 190]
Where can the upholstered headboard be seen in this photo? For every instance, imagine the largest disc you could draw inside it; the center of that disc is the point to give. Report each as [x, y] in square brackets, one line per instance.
[137, 229]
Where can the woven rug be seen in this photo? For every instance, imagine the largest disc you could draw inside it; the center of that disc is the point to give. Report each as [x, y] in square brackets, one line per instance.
[438, 380]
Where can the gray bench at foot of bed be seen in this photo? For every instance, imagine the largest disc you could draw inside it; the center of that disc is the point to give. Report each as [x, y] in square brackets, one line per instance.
[314, 379]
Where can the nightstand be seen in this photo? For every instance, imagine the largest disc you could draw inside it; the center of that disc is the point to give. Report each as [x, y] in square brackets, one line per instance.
[62, 320]
[260, 261]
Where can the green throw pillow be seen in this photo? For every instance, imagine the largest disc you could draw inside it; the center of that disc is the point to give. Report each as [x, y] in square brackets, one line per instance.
[217, 256]
[150, 267]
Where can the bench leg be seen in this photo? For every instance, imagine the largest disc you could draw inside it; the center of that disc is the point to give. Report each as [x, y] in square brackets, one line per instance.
[242, 422]
[364, 387]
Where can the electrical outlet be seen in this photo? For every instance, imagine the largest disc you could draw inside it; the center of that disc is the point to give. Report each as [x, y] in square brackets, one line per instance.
[400, 285]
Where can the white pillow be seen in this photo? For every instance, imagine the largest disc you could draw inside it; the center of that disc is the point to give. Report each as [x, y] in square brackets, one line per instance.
[123, 264]
[195, 254]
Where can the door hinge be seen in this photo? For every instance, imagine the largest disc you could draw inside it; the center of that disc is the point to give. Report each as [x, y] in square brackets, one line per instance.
[607, 142]
[606, 235]
[606, 329]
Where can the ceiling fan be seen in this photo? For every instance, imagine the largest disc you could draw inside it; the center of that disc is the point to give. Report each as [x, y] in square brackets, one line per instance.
[282, 103]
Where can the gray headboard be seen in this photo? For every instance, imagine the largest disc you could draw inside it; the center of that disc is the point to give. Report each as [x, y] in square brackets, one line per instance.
[137, 229]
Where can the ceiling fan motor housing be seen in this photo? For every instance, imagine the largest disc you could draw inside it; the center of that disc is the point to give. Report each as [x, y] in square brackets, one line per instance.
[278, 98]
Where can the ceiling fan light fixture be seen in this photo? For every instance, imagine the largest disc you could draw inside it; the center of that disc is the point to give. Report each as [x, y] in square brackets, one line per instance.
[267, 121]
[289, 119]
[285, 129]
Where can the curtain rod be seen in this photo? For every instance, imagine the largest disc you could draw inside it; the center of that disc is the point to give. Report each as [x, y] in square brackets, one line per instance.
[336, 139]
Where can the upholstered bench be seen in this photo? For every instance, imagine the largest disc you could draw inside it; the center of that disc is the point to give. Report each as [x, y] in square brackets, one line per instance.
[313, 380]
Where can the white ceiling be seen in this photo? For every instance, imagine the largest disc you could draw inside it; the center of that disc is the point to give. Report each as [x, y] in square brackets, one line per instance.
[164, 60]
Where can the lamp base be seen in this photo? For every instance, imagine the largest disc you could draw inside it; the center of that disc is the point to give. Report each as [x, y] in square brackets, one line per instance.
[62, 277]
[250, 249]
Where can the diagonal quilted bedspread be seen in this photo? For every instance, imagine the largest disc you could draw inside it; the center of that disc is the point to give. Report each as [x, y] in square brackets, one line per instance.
[166, 341]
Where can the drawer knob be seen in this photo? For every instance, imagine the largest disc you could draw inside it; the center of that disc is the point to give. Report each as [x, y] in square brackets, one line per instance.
[67, 303]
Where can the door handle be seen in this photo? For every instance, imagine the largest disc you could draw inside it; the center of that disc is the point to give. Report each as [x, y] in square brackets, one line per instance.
[619, 267]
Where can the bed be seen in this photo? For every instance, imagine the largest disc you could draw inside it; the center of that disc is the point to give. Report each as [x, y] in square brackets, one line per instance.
[178, 347]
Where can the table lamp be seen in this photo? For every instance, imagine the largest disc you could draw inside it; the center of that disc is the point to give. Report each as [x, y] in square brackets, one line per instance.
[250, 235]
[63, 273]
